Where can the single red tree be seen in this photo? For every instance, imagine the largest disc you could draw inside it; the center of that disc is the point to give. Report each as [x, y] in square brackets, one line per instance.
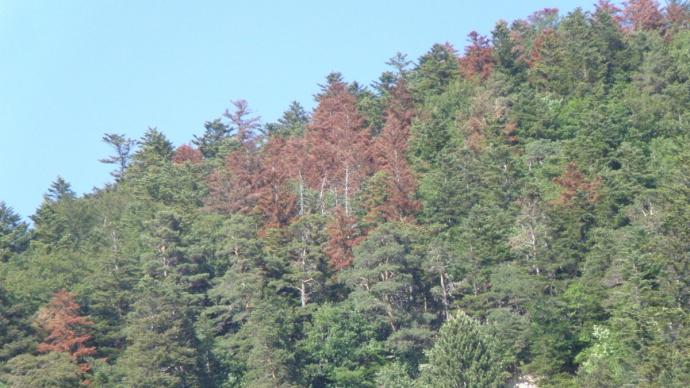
[389, 151]
[186, 153]
[244, 126]
[642, 15]
[65, 328]
[275, 197]
[573, 182]
[343, 235]
[478, 60]
[606, 6]
[234, 187]
[336, 145]
[677, 15]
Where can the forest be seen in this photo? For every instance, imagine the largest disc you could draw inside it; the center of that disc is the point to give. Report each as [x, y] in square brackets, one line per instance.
[514, 210]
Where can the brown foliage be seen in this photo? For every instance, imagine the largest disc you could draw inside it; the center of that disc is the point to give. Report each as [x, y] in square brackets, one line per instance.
[275, 197]
[245, 126]
[336, 146]
[510, 133]
[389, 150]
[484, 112]
[65, 328]
[677, 16]
[478, 61]
[543, 16]
[642, 15]
[220, 191]
[343, 235]
[186, 153]
[233, 188]
[543, 41]
[474, 136]
[573, 182]
[607, 7]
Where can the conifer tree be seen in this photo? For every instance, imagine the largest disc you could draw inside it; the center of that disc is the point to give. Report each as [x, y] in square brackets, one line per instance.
[123, 148]
[463, 356]
[60, 319]
[162, 349]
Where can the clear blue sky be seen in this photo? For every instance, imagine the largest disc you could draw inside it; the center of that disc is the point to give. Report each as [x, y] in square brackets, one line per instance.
[72, 70]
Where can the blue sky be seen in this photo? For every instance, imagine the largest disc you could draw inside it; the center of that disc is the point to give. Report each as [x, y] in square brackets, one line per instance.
[72, 70]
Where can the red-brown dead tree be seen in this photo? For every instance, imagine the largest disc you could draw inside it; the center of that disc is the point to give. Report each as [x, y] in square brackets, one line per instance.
[66, 329]
[478, 61]
[389, 152]
[186, 153]
[244, 125]
[336, 146]
[676, 16]
[234, 186]
[642, 15]
[573, 183]
[275, 196]
[343, 235]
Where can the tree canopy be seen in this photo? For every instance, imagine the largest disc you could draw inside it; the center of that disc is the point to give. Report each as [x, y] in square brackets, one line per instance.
[515, 209]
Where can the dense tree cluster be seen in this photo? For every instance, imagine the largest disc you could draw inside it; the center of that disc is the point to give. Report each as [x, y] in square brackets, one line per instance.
[519, 209]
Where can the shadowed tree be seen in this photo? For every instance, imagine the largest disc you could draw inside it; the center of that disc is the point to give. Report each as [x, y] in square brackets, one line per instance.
[14, 233]
[162, 349]
[214, 138]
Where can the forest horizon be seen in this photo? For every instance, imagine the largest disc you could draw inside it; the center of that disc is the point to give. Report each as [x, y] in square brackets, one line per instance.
[514, 212]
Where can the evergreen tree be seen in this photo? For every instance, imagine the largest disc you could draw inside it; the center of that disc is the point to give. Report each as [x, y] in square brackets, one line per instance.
[123, 148]
[14, 233]
[213, 140]
[162, 349]
[293, 122]
[44, 371]
[463, 356]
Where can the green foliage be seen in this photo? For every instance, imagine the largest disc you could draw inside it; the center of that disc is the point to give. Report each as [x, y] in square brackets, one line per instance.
[45, 371]
[162, 348]
[383, 275]
[343, 348]
[16, 333]
[554, 197]
[14, 234]
[293, 122]
[215, 140]
[463, 356]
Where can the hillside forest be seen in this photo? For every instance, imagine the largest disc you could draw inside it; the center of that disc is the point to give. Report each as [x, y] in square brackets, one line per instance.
[518, 208]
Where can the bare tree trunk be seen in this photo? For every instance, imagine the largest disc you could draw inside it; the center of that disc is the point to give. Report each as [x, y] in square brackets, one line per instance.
[444, 294]
[303, 294]
[301, 194]
[323, 185]
[347, 189]
[164, 261]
